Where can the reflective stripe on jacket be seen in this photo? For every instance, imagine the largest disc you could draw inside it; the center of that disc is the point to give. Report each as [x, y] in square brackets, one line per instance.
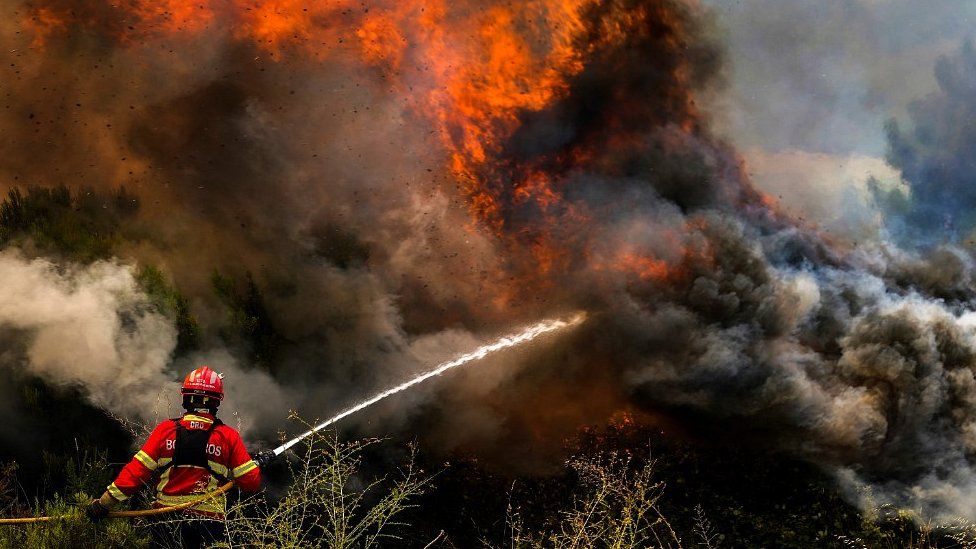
[226, 456]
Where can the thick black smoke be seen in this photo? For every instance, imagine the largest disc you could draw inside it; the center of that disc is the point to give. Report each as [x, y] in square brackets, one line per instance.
[861, 360]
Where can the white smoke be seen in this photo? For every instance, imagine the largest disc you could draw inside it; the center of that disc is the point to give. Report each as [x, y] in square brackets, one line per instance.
[87, 327]
[92, 328]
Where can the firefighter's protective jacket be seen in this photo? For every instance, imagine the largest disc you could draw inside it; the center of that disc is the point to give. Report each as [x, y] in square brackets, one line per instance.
[226, 456]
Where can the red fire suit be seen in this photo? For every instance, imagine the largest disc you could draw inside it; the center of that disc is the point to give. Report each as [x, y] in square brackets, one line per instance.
[225, 454]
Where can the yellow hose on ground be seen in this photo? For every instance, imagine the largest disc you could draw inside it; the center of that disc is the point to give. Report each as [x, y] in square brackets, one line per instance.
[129, 514]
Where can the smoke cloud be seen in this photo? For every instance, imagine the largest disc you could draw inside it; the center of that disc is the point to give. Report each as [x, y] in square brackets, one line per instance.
[93, 328]
[934, 153]
[86, 326]
[405, 181]
[824, 77]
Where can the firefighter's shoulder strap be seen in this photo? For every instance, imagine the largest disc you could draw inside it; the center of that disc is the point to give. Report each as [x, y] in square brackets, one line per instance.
[191, 446]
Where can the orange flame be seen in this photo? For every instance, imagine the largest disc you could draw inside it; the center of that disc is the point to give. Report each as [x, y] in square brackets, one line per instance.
[475, 71]
[42, 23]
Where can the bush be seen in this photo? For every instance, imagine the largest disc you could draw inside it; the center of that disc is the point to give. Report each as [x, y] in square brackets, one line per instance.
[74, 530]
[617, 507]
[328, 502]
[171, 302]
[83, 227]
[84, 476]
[249, 324]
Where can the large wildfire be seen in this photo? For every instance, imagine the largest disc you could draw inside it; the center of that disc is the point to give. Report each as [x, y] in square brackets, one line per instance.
[407, 178]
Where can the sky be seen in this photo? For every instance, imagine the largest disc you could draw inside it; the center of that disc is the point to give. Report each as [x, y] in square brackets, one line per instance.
[823, 76]
[809, 88]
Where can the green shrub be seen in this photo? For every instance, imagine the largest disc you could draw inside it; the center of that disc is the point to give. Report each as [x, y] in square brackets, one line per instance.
[73, 530]
[83, 227]
[171, 302]
[82, 476]
[249, 325]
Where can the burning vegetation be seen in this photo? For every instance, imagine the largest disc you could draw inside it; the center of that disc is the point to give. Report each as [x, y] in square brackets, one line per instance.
[324, 198]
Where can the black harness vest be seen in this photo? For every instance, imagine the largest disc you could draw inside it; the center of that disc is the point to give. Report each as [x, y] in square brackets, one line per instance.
[191, 447]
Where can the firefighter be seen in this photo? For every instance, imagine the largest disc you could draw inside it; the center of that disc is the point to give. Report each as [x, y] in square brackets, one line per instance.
[190, 456]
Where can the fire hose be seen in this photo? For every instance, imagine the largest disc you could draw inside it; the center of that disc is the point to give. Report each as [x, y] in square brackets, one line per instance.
[130, 514]
[527, 334]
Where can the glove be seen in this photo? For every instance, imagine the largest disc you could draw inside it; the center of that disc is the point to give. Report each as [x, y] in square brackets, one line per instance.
[263, 459]
[96, 511]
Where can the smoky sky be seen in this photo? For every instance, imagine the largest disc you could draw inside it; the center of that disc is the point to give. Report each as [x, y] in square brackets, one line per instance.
[934, 148]
[825, 76]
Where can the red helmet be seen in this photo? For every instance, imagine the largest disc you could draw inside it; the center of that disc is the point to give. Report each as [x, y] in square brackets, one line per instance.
[204, 381]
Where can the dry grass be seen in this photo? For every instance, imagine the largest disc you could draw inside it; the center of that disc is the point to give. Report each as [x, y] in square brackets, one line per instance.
[617, 509]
